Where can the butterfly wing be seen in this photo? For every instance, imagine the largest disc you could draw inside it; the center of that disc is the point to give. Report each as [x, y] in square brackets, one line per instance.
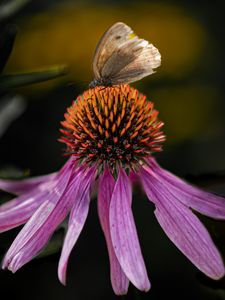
[113, 38]
[123, 57]
[144, 63]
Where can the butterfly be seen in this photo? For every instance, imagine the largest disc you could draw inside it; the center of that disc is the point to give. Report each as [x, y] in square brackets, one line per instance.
[123, 57]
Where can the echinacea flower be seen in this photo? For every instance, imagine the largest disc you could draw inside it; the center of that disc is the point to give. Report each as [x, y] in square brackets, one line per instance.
[111, 134]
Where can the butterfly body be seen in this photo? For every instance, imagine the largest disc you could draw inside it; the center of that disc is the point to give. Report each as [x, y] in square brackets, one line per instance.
[122, 57]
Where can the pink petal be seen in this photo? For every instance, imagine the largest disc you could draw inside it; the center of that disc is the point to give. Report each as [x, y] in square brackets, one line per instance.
[124, 235]
[19, 187]
[183, 228]
[206, 203]
[77, 219]
[120, 283]
[17, 211]
[45, 187]
[36, 233]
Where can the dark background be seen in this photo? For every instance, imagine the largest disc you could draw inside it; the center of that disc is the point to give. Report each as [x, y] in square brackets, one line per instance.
[188, 90]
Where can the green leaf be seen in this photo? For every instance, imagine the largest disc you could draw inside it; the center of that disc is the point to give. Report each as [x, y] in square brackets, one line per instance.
[11, 7]
[12, 172]
[7, 38]
[54, 245]
[10, 109]
[20, 79]
[209, 283]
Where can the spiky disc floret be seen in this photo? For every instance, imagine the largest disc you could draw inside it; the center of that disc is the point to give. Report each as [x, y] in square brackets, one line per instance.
[112, 126]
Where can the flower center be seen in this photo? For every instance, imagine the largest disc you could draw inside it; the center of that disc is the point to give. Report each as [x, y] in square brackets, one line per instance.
[113, 126]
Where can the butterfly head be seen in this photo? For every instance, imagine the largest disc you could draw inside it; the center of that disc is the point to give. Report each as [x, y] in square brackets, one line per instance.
[100, 82]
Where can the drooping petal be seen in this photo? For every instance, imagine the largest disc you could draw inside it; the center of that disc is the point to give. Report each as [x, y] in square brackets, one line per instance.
[124, 235]
[19, 187]
[119, 280]
[204, 202]
[49, 185]
[44, 187]
[77, 219]
[37, 231]
[17, 211]
[133, 177]
[183, 228]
